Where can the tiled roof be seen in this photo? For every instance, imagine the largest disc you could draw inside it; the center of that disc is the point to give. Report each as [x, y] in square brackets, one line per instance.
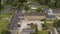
[27, 31]
[56, 10]
[33, 14]
[50, 16]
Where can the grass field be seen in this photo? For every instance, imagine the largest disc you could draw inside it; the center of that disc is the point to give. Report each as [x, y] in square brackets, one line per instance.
[43, 32]
[49, 25]
[4, 21]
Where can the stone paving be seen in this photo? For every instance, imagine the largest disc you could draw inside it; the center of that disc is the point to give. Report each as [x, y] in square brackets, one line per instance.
[25, 22]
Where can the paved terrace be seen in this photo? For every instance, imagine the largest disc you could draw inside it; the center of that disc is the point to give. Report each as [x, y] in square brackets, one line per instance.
[25, 22]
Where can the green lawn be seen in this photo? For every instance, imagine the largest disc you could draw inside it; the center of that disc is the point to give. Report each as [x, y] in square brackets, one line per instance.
[49, 25]
[43, 32]
[4, 21]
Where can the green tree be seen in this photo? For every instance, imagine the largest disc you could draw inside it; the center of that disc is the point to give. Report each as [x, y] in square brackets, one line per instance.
[25, 6]
[36, 29]
[41, 1]
[39, 9]
[51, 3]
[16, 4]
[22, 1]
[56, 23]
[8, 2]
[5, 32]
[1, 7]
[45, 23]
[57, 3]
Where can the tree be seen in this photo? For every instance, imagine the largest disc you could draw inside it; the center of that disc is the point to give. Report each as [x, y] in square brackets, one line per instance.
[45, 24]
[8, 2]
[25, 6]
[36, 29]
[16, 4]
[41, 1]
[5, 32]
[51, 3]
[57, 3]
[1, 7]
[22, 1]
[39, 9]
[56, 23]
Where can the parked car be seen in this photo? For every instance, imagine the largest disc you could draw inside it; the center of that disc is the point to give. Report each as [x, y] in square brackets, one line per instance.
[18, 25]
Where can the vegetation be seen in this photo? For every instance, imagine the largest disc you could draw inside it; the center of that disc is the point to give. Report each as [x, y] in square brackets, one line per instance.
[56, 23]
[13, 3]
[1, 7]
[5, 32]
[25, 6]
[8, 2]
[42, 1]
[47, 25]
[4, 19]
[4, 22]
[43, 32]
[22, 1]
[50, 3]
[36, 29]
[39, 9]
[34, 26]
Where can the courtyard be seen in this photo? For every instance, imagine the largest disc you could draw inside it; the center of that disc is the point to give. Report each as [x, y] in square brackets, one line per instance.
[24, 24]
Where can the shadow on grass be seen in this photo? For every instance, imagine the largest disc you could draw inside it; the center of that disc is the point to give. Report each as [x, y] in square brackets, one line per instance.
[5, 32]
